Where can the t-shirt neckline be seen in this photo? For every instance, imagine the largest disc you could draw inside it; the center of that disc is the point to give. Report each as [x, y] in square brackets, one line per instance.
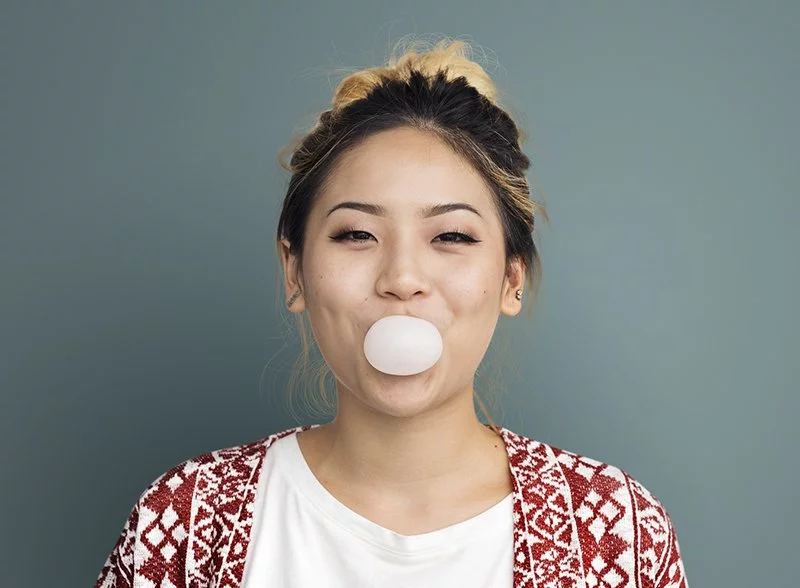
[490, 521]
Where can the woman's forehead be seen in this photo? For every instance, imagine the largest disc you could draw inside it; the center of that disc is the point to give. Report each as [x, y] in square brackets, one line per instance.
[403, 147]
[404, 168]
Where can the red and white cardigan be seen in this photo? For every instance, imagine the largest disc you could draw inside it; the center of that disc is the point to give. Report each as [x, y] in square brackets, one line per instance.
[577, 523]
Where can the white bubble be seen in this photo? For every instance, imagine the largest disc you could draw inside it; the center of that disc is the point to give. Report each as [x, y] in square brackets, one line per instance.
[402, 345]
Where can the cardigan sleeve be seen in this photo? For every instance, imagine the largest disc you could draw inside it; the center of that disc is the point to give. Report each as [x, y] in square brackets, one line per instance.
[154, 544]
[671, 573]
[117, 571]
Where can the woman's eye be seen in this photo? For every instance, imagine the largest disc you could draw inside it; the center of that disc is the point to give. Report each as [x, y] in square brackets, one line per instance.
[352, 236]
[457, 238]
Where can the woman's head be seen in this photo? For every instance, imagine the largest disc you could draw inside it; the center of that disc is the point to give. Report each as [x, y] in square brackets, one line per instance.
[409, 197]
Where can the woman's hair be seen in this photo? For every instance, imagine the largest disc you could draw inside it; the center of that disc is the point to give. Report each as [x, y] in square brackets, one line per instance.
[440, 91]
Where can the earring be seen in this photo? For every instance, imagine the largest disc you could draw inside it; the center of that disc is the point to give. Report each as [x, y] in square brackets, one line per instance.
[519, 294]
[293, 298]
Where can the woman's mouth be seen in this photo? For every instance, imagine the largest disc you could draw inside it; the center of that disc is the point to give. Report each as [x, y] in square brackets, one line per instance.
[402, 345]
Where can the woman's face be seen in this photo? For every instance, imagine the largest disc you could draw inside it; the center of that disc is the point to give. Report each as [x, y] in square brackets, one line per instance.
[392, 233]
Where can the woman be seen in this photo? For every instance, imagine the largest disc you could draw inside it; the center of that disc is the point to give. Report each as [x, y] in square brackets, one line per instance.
[408, 198]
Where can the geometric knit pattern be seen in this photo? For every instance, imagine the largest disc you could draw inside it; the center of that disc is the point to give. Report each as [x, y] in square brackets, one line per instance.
[578, 523]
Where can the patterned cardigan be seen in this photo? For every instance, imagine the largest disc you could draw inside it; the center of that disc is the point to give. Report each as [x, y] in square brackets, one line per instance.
[577, 523]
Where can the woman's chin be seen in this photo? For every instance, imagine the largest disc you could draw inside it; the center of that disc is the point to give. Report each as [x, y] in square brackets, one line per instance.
[402, 396]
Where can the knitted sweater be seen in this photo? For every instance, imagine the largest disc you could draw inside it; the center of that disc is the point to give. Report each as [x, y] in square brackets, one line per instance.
[577, 523]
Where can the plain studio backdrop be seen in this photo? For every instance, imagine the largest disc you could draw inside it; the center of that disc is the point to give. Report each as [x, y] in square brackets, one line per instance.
[140, 192]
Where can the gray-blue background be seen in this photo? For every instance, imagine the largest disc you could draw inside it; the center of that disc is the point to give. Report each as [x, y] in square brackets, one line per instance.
[140, 192]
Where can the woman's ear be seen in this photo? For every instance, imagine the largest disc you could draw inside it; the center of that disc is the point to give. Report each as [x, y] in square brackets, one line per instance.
[513, 281]
[292, 280]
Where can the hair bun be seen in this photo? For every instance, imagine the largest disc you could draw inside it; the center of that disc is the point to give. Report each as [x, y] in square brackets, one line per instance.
[451, 56]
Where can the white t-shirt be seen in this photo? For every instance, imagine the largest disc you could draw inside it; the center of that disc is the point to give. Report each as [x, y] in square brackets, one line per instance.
[303, 537]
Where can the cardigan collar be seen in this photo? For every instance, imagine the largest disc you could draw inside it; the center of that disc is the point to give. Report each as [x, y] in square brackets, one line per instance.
[546, 546]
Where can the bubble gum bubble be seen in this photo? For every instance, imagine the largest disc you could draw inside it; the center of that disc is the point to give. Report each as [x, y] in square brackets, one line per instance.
[402, 345]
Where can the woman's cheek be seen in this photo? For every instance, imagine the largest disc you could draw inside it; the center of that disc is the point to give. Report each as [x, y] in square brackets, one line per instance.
[465, 285]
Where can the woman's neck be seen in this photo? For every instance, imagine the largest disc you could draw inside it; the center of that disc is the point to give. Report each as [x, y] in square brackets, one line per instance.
[413, 458]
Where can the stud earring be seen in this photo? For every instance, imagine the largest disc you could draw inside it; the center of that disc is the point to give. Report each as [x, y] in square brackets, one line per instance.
[519, 294]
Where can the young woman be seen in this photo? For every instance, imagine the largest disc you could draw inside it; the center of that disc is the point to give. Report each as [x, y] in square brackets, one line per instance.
[408, 199]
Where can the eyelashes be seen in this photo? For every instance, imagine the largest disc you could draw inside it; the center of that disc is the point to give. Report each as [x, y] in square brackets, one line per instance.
[454, 236]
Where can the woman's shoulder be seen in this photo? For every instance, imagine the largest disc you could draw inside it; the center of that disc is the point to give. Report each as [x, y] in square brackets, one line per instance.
[219, 468]
[612, 511]
[185, 515]
[608, 506]
[596, 479]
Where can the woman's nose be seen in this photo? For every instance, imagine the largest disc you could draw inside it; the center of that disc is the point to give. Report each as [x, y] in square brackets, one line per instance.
[402, 274]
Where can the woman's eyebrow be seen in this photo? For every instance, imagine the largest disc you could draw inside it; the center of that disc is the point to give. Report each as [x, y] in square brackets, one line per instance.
[427, 212]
